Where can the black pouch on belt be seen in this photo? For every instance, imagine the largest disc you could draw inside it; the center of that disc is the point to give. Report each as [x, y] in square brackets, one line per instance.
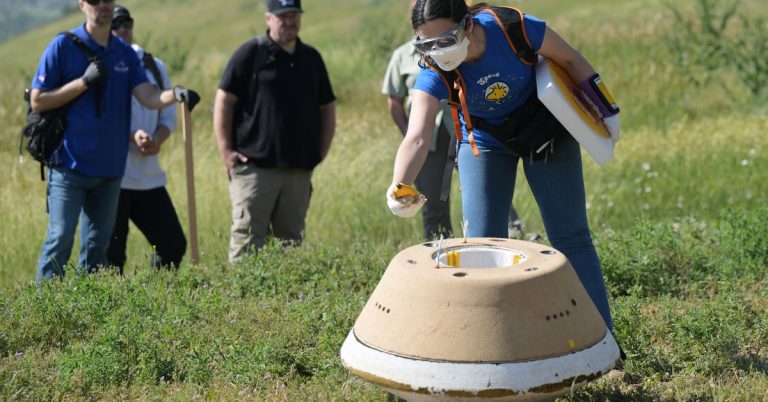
[531, 131]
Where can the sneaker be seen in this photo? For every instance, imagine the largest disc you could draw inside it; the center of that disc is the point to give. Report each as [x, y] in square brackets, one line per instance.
[535, 237]
[515, 230]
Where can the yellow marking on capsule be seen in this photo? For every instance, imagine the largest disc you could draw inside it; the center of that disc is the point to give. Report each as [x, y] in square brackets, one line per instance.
[571, 343]
[453, 258]
[516, 259]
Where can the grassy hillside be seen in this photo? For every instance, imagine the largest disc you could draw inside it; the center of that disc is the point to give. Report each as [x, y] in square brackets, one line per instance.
[18, 16]
[678, 217]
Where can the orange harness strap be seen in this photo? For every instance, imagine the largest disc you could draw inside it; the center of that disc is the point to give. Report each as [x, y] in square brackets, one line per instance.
[460, 91]
[456, 124]
[518, 41]
[523, 50]
[459, 86]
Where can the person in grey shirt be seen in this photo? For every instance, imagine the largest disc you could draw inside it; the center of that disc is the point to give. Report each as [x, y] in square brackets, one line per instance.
[398, 81]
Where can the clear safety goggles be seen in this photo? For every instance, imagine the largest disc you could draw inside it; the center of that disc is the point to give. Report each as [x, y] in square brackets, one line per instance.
[442, 41]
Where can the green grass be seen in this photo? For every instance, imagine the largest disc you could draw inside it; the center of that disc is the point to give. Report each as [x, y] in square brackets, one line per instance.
[271, 327]
[678, 219]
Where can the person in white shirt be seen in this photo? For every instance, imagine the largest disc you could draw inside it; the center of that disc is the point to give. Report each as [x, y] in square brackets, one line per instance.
[143, 197]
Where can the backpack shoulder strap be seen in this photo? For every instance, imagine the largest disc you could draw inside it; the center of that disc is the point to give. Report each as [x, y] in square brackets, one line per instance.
[81, 45]
[91, 56]
[457, 91]
[453, 84]
[512, 21]
[260, 59]
[151, 65]
[449, 78]
[454, 81]
[262, 51]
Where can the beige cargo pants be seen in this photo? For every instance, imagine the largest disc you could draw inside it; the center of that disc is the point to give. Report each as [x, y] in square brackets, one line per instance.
[267, 201]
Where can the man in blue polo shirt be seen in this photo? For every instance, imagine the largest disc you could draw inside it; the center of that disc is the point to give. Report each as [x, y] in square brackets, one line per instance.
[84, 180]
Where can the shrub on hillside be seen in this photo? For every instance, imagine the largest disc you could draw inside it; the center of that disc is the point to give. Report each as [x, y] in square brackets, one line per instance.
[718, 43]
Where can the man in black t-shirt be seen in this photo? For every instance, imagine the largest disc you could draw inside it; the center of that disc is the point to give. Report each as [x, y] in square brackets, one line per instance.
[274, 119]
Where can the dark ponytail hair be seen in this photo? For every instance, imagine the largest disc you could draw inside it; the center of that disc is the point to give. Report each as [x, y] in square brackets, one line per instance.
[424, 11]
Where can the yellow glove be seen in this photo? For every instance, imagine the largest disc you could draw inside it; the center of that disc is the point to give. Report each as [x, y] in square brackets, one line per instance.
[403, 200]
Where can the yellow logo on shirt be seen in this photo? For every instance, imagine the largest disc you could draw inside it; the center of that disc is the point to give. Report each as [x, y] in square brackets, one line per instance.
[496, 92]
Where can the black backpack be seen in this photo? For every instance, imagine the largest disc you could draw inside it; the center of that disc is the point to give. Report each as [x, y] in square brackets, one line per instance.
[44, 131]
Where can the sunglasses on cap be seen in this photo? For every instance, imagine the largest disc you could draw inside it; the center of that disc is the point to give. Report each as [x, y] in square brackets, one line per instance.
[448, 39]
[122, 23]
[96, 2]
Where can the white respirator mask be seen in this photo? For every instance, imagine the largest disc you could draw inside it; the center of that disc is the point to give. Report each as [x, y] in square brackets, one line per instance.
[449, 58]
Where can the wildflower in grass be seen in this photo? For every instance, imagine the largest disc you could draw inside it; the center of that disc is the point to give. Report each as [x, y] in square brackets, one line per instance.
[744, 162]
[646, 166]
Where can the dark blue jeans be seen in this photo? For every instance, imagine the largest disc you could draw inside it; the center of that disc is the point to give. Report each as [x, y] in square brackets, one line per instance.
[487, 186]
[73, 195]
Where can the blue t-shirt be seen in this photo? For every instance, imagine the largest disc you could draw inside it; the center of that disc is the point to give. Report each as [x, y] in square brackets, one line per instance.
[498, 83]
[93, 145]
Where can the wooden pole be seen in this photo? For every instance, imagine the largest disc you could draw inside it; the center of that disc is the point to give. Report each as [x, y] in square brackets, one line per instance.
[191, 205]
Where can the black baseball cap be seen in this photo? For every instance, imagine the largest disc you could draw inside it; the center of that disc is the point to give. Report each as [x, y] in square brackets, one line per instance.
[278, 7]
[121, 13]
